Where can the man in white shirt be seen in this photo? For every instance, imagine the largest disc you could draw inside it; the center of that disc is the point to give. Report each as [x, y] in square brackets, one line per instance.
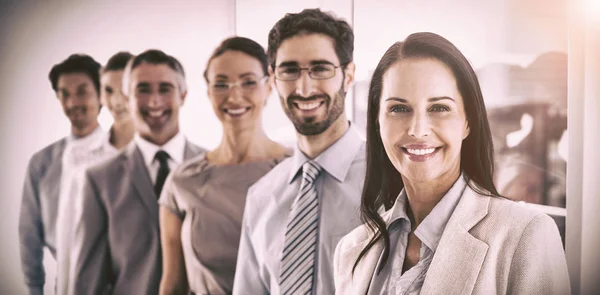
[116, 245]
[93, 149]
[76, 84]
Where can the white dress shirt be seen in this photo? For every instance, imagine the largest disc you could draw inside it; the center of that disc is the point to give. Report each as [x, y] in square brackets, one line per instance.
[175, 147]
[79, 154]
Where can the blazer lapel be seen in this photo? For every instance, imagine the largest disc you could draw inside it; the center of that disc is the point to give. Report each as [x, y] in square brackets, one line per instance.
[141, 180]
[191, 150]
[360, 281]
[459, 256]
[141, 177]
[55, 170]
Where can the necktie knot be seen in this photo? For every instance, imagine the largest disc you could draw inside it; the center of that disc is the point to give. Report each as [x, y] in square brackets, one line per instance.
[162, 157]
[310, 171]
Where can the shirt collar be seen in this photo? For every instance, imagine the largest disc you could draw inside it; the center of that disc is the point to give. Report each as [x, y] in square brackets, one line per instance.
[89, 140]
[336, 159]
[399, 209]
[175, 147]
[431, 228]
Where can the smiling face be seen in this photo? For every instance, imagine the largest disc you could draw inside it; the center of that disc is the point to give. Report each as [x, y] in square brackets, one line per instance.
[79, 100]
[155, 101]
[112, 95]
[422, 120]
[242, 104]
[312, 105]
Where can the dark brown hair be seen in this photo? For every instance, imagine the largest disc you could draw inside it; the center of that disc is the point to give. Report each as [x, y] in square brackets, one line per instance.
[311, 21]
[241, 44]
[383, 182]
[76, 63]
[117, 62]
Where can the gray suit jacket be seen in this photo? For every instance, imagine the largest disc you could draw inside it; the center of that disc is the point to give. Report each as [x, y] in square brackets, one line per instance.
[116, 246]
[39, 208]
[489, 246]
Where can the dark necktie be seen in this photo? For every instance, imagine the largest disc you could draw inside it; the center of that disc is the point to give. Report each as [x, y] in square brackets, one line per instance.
[163, 171]
[299, 252]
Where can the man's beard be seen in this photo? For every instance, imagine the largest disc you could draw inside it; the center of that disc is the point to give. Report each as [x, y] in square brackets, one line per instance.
[309, 126]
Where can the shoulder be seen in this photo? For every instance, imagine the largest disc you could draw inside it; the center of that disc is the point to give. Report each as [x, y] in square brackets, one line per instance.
[190, 168]
[108, 166]
[361, 154]
[48, 154]
[359, 161]
[358, 236]
[272, 184]
[285, 154]
[273, 181]
[528, 222]
[510, 221]
[194, 149]
[515, 213]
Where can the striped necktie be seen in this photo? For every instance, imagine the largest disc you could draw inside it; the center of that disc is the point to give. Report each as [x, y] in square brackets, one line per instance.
[298, 262]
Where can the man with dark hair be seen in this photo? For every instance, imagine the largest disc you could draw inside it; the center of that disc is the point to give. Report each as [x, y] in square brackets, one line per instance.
[116, 244]
[80, 102]
[80, 156]
[296, 214]
[76, 84]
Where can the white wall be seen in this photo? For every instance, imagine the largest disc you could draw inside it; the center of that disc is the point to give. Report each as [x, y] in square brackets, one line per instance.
[583, 204]
[36, 36]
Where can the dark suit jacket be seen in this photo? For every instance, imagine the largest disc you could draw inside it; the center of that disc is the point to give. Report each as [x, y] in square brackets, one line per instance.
[39, 207]
[116, 247]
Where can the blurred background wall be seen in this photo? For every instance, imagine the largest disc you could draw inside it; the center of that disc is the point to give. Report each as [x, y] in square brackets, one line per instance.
[518, 48]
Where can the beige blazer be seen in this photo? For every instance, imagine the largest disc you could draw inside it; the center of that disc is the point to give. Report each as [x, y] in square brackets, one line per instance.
[490, 246]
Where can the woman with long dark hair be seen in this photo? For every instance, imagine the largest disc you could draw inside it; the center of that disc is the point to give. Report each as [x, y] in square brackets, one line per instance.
[434, 222]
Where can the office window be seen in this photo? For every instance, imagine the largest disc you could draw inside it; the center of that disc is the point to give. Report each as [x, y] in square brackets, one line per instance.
[519, 52]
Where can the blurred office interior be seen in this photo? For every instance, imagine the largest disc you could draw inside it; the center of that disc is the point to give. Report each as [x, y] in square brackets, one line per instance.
[538, 63]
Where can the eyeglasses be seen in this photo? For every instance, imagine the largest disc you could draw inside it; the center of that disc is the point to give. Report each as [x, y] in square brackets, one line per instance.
[247, 84]
[316, 72]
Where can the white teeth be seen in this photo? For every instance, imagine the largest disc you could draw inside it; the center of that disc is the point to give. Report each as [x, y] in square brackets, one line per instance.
[421, 152]
[155, 113]
[236, 111]
[308, 106]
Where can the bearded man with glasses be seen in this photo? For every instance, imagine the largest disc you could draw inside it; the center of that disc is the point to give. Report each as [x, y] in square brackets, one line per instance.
[296, 213]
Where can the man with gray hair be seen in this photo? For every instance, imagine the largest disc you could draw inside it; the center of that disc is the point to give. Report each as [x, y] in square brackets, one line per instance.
[116, 245]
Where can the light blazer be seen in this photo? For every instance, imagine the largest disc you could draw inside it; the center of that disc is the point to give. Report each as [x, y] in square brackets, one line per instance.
[489, 246]
[39, 209]
[116, 245]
